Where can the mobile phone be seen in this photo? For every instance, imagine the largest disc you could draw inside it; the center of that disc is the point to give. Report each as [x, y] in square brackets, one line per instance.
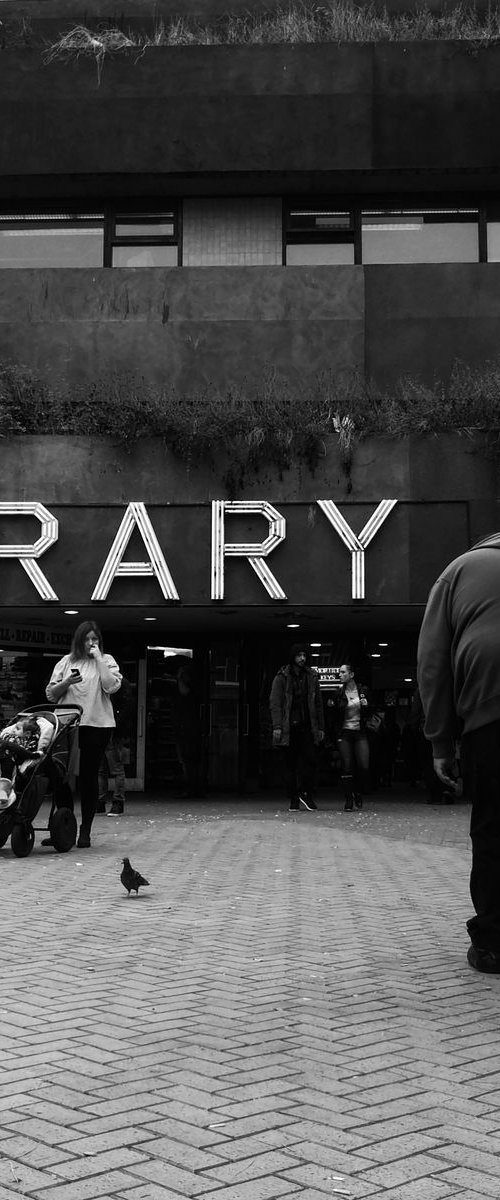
[75, 671]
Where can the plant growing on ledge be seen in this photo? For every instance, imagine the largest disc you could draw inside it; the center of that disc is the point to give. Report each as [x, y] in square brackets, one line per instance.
[345, 429]
[337, 21]
[270, 425]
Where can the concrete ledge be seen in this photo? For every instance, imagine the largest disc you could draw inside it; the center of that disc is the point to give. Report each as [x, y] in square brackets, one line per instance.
[294, 108]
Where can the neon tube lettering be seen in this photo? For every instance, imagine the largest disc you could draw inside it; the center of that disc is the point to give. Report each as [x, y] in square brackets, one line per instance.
[27, 554]
[357, 543]
[135, 516]
[255, 552]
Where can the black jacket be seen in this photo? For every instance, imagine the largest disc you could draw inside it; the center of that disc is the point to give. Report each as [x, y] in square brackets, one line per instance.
[365, 711]
[281, 703]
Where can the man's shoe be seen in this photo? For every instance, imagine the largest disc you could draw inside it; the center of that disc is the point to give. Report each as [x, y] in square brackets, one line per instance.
[47, 842]
[83, 842]
[307, 803]
[116, 809]
[358, 800]
[294, 806]
[100, 806]
[485, 961]
[349, 805]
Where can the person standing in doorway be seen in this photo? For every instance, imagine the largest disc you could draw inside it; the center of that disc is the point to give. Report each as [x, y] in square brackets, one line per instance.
[353, 708]
[117, 751]
[88, 677]
[186, 724]
[458, 670]
[298, 725]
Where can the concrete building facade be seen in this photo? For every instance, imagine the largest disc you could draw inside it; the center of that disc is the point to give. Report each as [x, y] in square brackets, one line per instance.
[200, 217]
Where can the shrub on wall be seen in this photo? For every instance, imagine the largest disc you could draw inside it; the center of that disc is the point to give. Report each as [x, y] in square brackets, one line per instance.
[336, 21]
[240, 430]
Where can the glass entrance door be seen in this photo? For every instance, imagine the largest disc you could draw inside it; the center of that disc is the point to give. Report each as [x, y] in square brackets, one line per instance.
[223, 734]
[194, 722]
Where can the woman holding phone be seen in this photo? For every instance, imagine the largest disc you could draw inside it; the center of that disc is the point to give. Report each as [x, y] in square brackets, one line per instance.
[88, 677]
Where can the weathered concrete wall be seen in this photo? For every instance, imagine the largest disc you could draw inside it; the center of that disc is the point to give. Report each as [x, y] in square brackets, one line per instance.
[444, 468]
[280, 110]
[191, 326]
[185, 326]
[419, 319]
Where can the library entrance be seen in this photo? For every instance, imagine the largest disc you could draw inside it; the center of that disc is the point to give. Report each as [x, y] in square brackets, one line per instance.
[207, 724]
[200, 722]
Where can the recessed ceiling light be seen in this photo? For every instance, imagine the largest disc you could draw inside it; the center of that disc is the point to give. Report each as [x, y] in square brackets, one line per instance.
[383, 643]
[375, 656]
[71, 612]
[408, 680]
[150, 618]
[315, 643]
[292, 626]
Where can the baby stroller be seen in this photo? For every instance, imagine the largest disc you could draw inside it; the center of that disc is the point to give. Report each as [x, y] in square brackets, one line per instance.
[25, 783]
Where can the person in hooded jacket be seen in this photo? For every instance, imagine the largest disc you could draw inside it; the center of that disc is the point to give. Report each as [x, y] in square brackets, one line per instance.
[458, 669]
[298, 725]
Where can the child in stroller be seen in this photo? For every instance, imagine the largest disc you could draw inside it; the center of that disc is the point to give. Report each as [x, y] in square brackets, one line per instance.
[34, 758]
[25, 741]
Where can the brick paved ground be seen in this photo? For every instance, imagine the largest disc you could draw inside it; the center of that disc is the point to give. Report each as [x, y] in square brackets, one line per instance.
[286, 1011]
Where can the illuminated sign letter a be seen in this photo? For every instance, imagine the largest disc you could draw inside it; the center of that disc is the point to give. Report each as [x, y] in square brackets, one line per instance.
[135, 517]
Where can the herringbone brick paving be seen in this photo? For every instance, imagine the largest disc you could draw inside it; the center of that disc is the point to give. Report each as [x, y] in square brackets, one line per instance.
[287, 1011]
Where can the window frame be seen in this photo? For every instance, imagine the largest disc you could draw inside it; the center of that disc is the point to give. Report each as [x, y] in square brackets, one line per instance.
[59, 216]
[318, 236]
[357, 205]
[467, 209]
[121, 213]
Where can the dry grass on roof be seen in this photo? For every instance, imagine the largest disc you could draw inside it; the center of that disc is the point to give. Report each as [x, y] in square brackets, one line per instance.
[335, 21]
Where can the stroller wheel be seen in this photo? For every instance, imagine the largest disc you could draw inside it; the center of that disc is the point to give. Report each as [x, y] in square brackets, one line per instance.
[22, 840]
[63, 829]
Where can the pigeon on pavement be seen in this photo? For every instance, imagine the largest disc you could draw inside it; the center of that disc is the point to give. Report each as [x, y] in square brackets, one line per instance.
[131, 879]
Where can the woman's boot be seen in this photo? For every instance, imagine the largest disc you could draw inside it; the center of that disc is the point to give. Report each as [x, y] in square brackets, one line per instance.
[347, 781]
[363, 780]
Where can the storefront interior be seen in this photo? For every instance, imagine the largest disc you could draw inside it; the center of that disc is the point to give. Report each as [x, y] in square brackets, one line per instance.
[227, 716]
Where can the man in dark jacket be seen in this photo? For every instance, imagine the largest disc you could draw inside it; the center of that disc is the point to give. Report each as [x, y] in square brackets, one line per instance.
[459, 682]
[298, 724]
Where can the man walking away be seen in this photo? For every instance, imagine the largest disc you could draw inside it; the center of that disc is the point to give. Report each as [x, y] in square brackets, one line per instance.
[298, 725]
[459, 682]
